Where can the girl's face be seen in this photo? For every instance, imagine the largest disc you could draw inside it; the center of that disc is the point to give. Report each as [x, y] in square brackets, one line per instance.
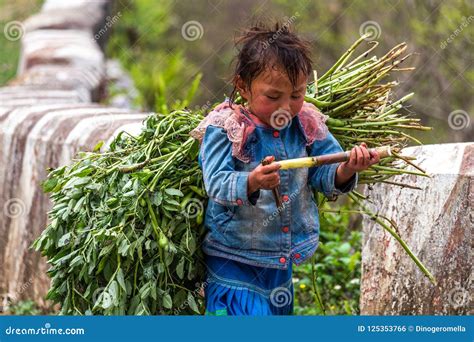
[271, 94]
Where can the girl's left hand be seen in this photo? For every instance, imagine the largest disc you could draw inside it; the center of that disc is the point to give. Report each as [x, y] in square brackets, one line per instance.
[360, 159]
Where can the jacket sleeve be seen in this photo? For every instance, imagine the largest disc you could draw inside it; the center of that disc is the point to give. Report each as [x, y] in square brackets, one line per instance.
[223, 183]
[322, 178]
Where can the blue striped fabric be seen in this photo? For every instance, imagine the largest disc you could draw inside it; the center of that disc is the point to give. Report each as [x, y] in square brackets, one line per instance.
[234, 288]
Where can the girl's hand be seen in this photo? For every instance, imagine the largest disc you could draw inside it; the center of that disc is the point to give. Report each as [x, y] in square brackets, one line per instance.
[264, 176]
[360, 159]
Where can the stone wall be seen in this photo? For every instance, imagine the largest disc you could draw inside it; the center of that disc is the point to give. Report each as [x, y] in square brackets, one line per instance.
[437, 223]
[47, 114]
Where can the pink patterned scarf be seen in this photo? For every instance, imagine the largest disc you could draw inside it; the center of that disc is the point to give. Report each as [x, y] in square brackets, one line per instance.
[239, 127]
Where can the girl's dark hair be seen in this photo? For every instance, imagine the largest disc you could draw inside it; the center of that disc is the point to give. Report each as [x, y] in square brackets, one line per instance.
[259, 46]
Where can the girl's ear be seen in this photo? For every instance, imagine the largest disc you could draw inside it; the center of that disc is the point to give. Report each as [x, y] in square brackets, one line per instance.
[242, 88]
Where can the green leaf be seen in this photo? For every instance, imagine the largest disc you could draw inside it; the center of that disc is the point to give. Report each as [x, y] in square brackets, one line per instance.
[121, 279]
[170, 208]
[113, 291]
[190, 271]
[129, 193]
[62, 257]
[106, 250]
[145, 290]
[180, 268]
[192, 244]
[173, 202]
[98, 146]
[141, 309]
[157, 198]
[49, 184]
[101, 265]
[167, 301]
[128, 185]
[82, 172]
[79, 182]
[192, 303]
[153, 290]
[64, 240]
[344, 248]
[76, 261]
[78, 205]
[133, 305]
[174, 192]
[123, 248]
[105, 299]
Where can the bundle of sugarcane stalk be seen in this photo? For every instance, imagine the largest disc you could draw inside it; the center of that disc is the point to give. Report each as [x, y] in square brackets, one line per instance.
[126, 224]
[362, 109]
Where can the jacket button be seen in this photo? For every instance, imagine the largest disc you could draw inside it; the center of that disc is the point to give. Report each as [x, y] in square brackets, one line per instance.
[297, 255]
[282, 260]
[285, 198]
[276, 134]
[285, 229]
[239, 201]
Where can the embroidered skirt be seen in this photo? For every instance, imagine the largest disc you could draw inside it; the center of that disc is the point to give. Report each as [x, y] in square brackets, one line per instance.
[235, 288]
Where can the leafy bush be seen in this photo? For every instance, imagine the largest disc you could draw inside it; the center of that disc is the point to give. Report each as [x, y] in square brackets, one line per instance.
[23, 308]
[165, 79]
[336, 267]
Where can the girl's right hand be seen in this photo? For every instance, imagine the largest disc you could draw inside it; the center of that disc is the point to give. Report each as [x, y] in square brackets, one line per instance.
[264, 176]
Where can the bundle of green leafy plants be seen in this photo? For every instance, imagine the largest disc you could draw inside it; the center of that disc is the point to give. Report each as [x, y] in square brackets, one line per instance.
[125, 224]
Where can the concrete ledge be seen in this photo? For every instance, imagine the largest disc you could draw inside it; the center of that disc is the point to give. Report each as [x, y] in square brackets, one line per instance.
[436, 223]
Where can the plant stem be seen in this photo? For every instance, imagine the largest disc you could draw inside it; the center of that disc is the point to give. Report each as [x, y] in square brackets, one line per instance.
[396, 236]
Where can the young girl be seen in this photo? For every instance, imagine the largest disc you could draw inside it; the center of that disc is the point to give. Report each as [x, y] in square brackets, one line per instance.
[251, 243]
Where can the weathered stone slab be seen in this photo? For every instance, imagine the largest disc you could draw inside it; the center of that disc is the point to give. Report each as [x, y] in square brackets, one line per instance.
[18, 96]
[436, 223]
[73, 48]
[64, 78]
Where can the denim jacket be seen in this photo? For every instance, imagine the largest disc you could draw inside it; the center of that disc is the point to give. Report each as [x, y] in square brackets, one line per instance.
[248, 227]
